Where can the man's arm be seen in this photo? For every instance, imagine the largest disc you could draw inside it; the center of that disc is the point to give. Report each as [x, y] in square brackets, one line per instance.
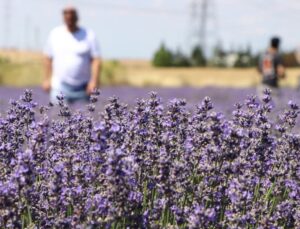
[95, 77]
[48, 73]
[280, 67]
[281, 71]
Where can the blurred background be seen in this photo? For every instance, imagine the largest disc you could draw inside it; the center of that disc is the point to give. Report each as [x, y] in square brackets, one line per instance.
[157, 43]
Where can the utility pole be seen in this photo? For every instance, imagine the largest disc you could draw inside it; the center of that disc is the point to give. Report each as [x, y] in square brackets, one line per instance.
[202, 15]
[27, 32]
[6, 23]
[203, 23]
[37, 37]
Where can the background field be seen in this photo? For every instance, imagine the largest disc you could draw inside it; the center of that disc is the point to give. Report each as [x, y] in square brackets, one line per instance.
[25, 69]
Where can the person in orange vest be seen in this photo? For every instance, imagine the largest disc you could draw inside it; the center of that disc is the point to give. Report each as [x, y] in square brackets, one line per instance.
[272, 69]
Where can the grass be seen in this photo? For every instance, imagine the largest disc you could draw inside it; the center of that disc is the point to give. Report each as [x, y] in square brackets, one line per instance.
[19, 74]
[26, 69]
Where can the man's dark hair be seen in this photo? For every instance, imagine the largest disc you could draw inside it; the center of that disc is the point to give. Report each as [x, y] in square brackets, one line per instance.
[275, 42]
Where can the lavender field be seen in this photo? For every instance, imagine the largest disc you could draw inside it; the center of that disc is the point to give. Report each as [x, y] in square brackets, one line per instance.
[222, 98]
[153, 164]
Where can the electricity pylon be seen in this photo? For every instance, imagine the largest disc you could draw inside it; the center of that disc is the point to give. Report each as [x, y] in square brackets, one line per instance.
[204, 21]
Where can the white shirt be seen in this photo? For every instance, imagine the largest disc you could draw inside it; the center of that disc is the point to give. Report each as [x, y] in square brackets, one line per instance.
[71, 55]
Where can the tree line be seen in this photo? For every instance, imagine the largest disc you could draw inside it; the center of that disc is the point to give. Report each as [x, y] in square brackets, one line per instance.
[241, 58]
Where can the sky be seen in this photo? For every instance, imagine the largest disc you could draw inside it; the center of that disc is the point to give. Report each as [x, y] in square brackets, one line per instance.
[136, 28]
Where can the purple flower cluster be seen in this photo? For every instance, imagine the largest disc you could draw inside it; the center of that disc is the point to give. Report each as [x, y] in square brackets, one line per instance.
[151, 166]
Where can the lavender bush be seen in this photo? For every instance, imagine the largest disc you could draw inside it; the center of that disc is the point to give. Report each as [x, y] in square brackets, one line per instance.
[151, 166]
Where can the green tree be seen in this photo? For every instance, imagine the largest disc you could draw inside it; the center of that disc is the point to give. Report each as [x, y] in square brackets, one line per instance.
[163, 57]
[218, 56]
[197, 57]
[180, 60]
[245, 58]
[289, 59]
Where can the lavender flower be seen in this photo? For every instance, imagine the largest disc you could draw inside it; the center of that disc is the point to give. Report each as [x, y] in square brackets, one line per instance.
[153, 165]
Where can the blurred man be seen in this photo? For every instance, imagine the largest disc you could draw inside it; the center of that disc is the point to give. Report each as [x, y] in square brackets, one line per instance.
[271, 68]
[72, 60]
